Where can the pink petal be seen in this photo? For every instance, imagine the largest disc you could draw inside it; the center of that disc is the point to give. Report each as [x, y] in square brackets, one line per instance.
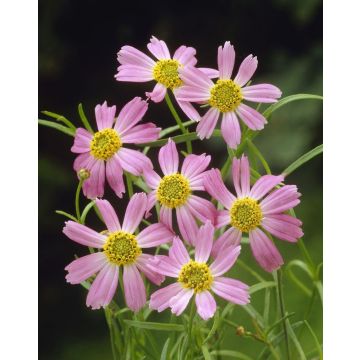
[135, 295]
[232, 290]
[206, 305]
[284, 227]
[230, 129]
[246, 70]
[169, 158]
[207, 123]
[215, 186]
[114, 175]
[165, 265]
[178, 253]
[134, 212]
[84, 267]
[204, 242]
[179, 302]
[166, 216]
[264, 185]
[105, 116]
[187, 224]
[226, 60]
[103, 288]
[241, 176]
[131, 56]
[153, 276]
[211, 73]
[84, 161]
[194, 165]
[264, 93]
[130, 115]
[225, 260]
[151, 203]
[222, 218]
[185, 55]
[190, 93]
[158, 48]
[140, 134]
[158, 93]
[83, 235]
[154, 235]
[230, 238]
[252, 118]
[94, 186]
[264, 251]
[81, 141]
[188, 109]
[202, 209]
[108, 214]
[159, 300]
[152, 179]
[133, 161]
[281, 200]
[196, 79]
[134, 73]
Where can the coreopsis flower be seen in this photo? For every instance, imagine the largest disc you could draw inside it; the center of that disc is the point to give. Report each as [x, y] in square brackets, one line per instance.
[174, 190]
[253, 210]
[135, 66]
[118, 247]
[226, 96]
[197, 277]
[103, 154]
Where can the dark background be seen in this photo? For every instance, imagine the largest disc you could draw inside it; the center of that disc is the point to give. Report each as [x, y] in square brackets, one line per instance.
[78, 42]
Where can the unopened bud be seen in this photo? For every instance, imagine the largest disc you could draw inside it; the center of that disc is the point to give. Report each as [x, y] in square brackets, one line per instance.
[240, 331]
[83, 174]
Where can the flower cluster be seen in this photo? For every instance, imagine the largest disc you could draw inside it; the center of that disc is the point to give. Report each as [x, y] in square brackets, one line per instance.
[190, 190]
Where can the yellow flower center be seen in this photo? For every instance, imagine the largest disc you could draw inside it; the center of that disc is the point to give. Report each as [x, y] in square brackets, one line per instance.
[245, 214]
[195, 275]
[105, 143]
[166, 72]
[173, 190]
[121, 248]
[225, 95]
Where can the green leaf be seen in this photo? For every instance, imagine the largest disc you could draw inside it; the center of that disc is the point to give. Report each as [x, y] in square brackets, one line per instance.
[214, 327]
[171, 129]
[60, 212]
[154, 326]
[289, 99]
[61, 128]
[263, 285]
[276, 323]
[205, 352]
[305, 268]
[295, 341]
[317, 343]
[85, 211]
[231, 353]
[165, 350]
[61, 118]
[303, 160]
[84, 118]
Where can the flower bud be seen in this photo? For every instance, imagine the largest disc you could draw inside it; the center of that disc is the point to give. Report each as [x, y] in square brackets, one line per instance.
[240, 331]
[83, 174]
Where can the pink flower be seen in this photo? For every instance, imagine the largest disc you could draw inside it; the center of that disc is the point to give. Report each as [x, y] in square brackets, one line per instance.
[120, 247]
[196, 277]
[135, 66]
[254, 210]
[226, 96]
[103, 154]
[175, 190]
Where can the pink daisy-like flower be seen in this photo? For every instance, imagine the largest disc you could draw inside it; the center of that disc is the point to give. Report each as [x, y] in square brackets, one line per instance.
[175, 190]
[196, 277]
[255, 208]
[103, 154]
[226, 96]
[135, 66]
[120, 247]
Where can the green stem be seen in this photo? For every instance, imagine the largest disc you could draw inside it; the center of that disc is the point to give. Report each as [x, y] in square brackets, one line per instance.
[84, 119]
[178, 121]
[258, 154]
[129, 184]
[278, 276]
[190, 325]
[77, 202]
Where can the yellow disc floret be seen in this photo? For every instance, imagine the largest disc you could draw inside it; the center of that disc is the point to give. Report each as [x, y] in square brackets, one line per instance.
[245, 214]
[122, 248]
[195, 275]
[225, 95]
[105, 143]
[173, 190]
[166, 72]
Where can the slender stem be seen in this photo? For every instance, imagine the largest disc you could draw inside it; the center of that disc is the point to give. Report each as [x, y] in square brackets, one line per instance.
[278, 276]
[129, 184]
[258, 154]
[190, 325]
[178, 121]
[84, 119]
[77, 198]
